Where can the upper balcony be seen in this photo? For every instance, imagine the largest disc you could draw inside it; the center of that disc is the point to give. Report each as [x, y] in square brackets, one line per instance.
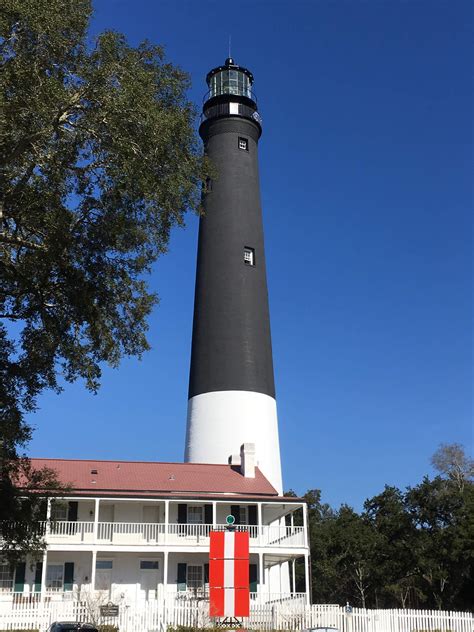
[172, 534]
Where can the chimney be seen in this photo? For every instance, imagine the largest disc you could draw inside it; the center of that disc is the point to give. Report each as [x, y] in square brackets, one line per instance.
[247, 459]
[234, 459]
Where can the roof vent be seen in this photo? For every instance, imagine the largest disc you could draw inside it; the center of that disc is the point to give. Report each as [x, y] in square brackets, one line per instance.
[171, 477]
[94, 471]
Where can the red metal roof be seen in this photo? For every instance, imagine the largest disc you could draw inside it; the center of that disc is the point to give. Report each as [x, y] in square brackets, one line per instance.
[140, 478]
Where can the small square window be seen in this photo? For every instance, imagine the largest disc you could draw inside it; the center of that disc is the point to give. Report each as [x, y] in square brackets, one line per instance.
[249, 256]
[243, 143]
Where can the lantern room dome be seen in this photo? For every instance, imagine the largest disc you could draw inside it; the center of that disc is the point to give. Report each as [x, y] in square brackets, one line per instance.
[230, 79]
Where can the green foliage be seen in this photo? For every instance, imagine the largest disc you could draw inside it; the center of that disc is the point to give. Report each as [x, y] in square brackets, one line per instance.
[23, 493]
[99, 161]
[405, 549]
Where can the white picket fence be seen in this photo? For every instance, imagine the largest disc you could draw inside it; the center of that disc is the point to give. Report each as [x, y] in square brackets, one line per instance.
[292, 615]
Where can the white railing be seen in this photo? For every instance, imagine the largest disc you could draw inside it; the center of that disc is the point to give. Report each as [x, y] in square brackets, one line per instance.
[189, 533]
[282, 536]
[277, 598]
[70, 531]
[59, 532]
[273, 536]
[131, 532]
[289, 615]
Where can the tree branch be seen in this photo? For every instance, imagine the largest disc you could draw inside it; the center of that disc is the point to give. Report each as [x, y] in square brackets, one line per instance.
[18, 241]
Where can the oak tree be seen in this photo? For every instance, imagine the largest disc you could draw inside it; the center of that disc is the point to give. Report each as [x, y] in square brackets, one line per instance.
[100, 160]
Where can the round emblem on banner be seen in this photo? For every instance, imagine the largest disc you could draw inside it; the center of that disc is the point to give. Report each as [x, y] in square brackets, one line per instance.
[230, 520]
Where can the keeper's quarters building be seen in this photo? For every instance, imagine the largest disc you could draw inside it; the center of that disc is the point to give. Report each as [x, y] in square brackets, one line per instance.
[132, 531]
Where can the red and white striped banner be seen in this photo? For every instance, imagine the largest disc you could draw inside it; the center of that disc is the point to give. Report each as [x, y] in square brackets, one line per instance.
[229, 574]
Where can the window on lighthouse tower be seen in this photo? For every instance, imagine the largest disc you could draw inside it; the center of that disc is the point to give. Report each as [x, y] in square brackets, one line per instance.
[249, 256]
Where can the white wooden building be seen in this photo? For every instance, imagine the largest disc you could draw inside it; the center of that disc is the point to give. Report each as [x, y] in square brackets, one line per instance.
[139, 531]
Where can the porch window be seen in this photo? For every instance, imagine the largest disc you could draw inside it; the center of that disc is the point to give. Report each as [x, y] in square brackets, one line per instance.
[104, 565]
[54, 577]
[148, 565]
[195, 515]
[6, 578]
[194, 577]
[59, 511]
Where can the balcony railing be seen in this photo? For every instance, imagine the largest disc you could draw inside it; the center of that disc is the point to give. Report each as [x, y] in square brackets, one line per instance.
[139, 533]
[131, 532]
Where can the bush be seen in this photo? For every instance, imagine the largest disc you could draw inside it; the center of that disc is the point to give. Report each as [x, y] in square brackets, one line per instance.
[107, 627]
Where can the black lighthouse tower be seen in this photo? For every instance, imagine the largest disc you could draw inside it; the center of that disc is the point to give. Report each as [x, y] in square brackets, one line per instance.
[231, 386]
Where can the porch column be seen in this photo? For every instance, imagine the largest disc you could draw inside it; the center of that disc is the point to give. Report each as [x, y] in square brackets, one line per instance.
[306, 578]
[259, 520]
[94, 564]
[43, 576]
[167, 521]
[48, 519]
[261, 577]
[305, 524]
[214, 513]
[165, 575]
[293, 578]
[96, 522]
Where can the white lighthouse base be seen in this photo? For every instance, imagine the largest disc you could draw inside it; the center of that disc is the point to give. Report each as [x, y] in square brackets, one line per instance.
[221, 421]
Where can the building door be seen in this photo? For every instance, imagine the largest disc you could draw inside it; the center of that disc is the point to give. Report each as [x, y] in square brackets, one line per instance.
[103, 576]
[148, 579]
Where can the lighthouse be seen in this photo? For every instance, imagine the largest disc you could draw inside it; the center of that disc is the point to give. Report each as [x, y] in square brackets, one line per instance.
[231, 386]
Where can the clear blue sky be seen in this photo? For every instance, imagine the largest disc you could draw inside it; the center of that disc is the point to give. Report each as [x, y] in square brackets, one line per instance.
[366, 171]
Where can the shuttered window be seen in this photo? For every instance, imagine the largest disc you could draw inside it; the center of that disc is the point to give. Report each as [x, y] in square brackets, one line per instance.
[55, 577]
[195, 514]
[194, 577]
[6, 578]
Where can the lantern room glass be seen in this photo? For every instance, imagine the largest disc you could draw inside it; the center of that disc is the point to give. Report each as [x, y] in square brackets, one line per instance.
[230, 82]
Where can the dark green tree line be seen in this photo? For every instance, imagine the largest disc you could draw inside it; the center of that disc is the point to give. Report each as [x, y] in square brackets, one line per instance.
[412, 548]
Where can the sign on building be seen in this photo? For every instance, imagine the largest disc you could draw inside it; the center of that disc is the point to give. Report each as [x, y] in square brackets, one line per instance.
[229, 574]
